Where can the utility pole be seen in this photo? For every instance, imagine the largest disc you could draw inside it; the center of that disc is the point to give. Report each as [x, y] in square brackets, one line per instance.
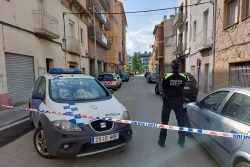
[96, 67]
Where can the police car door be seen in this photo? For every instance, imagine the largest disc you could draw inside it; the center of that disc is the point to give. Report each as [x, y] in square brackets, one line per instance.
[231, 119]
[37, 102]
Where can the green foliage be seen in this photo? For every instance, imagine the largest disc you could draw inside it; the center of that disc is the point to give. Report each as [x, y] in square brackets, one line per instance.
[128, 68]
[137, 63]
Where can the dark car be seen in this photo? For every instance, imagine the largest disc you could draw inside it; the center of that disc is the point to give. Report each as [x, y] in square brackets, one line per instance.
[124, 77]
[131, 74]
[146, 73]
[152, 77]
[190, 89]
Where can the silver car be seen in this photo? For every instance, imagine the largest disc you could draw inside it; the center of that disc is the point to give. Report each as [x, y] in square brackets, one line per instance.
[225, 110]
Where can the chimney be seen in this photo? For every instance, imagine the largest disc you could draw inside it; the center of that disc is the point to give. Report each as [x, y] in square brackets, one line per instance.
[171, 16]
[165, 18]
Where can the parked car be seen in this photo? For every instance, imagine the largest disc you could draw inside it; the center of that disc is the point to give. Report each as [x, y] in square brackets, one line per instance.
[131, 74]
[110, 80]
[146, 73]
[152, 77]
[190, 89]
[69, 134]
[124, 77]
[226, 110]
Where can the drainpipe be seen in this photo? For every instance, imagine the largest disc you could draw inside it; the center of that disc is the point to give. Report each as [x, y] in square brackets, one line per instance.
[64, 39]
[213, 49]
[80, 63]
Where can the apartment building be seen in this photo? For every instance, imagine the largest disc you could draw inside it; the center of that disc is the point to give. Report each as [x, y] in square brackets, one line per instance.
[169, 41]
[36, 37]
[117, 35]
[145, 60]
[232, 48]
[158, 48]
[151, 61]
[200, 41]
[99, 43]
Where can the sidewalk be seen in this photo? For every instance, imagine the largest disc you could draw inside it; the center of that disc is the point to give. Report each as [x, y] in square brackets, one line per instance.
[9, 116]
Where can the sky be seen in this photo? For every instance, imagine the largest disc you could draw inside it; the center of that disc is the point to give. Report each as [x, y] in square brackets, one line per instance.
[141, 25]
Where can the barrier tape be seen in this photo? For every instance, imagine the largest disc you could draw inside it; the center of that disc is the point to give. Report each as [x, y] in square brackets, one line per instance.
[147, 124]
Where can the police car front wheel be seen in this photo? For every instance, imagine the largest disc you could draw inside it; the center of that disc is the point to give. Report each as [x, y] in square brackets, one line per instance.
[40, 143]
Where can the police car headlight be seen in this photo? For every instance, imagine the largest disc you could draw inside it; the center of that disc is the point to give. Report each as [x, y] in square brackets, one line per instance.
[125, 116]
[66, 125]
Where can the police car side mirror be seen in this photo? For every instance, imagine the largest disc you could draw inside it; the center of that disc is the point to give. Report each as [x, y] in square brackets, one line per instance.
[198, 103]
[111, 91]
[37, 95]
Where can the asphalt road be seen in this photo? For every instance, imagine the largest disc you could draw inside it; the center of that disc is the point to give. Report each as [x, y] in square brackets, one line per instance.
[142, 151]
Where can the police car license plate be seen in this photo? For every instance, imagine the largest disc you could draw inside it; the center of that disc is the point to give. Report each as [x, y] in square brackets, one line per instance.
[101, 139]
[186, 87]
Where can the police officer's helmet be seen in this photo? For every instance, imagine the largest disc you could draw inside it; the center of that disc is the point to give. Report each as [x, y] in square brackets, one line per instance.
[175, 63]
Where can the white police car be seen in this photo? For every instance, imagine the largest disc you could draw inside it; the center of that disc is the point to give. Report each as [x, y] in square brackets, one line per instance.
[69, 92]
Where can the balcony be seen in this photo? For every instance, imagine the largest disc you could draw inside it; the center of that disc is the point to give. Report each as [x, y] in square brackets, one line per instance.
[46, 24]
[121, 59]
[100, 38]
[204, 40]
[178, 20]
[99, 14]
[105, 4]
[177, 49]
[73, 45]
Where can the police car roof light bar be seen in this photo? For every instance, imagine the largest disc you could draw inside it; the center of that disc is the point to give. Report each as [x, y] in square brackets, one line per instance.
[65, 71]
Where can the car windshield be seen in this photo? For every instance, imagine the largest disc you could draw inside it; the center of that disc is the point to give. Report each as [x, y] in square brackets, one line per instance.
[155, 75]
[190, 78]
[105, 77]
[76, 89]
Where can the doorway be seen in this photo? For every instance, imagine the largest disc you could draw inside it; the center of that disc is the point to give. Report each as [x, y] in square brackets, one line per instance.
[206, 79]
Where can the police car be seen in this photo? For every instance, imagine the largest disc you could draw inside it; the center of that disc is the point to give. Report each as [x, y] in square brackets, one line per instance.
[68, 93]
[110, 80]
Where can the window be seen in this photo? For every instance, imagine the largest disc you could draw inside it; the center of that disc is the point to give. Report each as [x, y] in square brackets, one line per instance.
[76, 89]
[231, 12]
[37, 83]
[186, 37]
[71, 28]
[213, 101]
[194, 33]
[83, 70]
[81, 33]
[42, 87]
[237, 107]
[245, 8]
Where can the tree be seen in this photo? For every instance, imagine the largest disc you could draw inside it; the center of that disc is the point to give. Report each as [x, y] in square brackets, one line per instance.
[137, 63]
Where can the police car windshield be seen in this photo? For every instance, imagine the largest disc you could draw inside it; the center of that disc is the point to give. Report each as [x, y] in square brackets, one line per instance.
[76, 89]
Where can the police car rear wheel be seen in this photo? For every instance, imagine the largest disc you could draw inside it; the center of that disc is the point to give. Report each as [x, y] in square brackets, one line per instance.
[40, 143]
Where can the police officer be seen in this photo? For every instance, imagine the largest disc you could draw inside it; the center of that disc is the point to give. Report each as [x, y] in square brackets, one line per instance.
[172, 85]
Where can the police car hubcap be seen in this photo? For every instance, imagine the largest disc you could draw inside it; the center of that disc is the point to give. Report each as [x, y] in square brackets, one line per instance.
[41, 143]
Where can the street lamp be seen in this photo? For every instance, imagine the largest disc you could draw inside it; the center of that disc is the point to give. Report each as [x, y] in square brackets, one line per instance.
[96, 67]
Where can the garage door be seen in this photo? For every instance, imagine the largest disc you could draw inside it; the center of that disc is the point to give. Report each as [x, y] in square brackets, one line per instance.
[20, 77]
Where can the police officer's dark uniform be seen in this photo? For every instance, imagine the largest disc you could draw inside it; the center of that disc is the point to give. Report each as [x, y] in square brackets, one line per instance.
[173, 84]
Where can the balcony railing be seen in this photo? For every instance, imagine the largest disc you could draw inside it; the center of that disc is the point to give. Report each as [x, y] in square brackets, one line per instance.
[105, 4]
[178, 20]
[100, 15]
[46, 24]
[100, 38]
[73, 45]
[177, 49]
[204, 40]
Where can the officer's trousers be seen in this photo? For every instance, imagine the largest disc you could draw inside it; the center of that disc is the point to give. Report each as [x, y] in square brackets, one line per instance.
[177, 106]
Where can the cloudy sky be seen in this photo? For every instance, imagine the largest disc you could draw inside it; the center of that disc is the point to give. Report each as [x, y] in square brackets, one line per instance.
[141, 25]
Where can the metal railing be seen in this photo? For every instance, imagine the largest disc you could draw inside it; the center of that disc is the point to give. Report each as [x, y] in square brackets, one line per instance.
[100, 38]
[100, 15]
[73, 45]
[177, 48]
[240, 76]
[46, 24]
[178, 19]
[204, 39]
[105, 4]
